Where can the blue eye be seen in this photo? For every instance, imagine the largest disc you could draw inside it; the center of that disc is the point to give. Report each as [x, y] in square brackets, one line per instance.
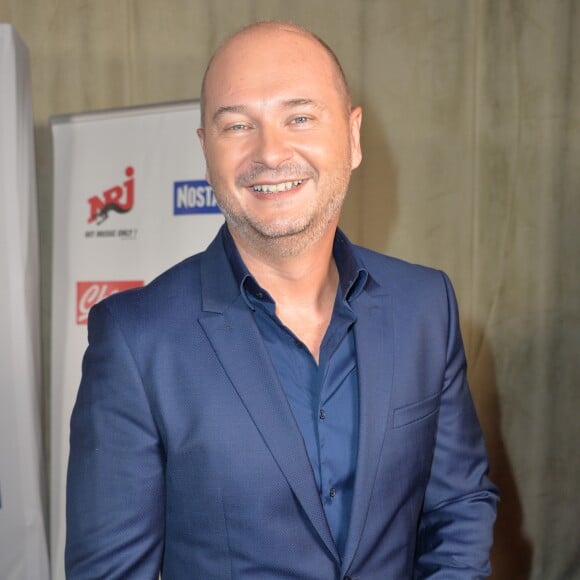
[300, 120]
[237, 127]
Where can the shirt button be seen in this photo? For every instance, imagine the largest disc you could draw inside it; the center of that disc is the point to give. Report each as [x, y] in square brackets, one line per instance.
[259, 295]
[322, 415]
[332, 492]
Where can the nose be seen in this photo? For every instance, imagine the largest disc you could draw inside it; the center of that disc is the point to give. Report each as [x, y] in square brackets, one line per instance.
[272, 147]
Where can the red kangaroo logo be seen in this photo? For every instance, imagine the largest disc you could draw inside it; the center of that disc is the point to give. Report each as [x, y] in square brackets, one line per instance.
[118, 199]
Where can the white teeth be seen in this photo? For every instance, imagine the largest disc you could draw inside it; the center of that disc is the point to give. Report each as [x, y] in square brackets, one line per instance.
[276, 187]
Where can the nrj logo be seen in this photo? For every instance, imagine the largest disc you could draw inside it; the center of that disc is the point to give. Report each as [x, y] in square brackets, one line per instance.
[89, 293]
[119, 198]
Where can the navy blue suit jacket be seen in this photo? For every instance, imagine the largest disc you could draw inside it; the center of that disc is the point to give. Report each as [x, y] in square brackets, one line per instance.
[185, 455]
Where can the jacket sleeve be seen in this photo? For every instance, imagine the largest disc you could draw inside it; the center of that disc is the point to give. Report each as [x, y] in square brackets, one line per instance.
[115, 482]
[456, 525]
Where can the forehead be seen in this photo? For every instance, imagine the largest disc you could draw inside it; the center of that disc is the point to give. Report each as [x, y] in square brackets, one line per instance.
[268, 64]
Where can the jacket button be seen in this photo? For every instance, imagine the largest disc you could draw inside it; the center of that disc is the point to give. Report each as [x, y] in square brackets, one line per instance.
[348, 578]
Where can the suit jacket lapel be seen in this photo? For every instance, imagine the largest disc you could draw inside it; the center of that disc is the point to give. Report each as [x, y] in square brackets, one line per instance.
[230, 327]
[374, 346]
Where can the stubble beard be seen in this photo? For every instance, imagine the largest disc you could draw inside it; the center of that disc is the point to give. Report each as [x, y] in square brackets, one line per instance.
[292, 236]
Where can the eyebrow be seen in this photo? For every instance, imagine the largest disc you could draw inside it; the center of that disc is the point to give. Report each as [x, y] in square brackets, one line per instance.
[221, 111]
[287, 104]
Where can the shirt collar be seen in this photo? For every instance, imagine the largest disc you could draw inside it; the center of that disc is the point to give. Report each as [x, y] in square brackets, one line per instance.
[352, 273]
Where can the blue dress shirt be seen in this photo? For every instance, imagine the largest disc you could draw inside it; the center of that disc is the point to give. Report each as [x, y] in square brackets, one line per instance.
[324, 396]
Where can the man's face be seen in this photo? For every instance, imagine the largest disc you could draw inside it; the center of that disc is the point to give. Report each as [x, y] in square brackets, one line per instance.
[279, 138]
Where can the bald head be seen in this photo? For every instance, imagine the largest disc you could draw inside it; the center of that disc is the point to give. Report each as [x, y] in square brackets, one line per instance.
[262, 29]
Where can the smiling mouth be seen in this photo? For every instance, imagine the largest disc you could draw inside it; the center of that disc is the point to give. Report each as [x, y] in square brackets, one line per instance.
[276, 187]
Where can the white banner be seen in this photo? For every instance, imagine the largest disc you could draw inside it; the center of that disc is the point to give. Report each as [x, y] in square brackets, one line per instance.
[23, 548]
[130, 200]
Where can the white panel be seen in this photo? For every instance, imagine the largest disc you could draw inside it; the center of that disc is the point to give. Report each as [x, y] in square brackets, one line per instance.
[23, 549]
[115, 224]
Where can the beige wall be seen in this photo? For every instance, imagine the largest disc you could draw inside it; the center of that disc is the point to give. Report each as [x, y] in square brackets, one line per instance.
[472, 164]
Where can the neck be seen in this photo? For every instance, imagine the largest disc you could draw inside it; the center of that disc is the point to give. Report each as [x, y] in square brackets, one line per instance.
[302, 285]
[302, 277]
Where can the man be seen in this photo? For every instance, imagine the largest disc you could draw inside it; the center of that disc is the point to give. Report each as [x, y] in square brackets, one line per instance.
[284, 405]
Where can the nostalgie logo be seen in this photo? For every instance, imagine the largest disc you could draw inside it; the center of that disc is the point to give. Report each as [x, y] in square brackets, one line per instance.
[193, 197]
[89, 293]
[118, 199]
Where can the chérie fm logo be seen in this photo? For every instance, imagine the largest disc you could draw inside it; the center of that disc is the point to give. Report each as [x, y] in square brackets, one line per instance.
[119, 198]
[89, 293]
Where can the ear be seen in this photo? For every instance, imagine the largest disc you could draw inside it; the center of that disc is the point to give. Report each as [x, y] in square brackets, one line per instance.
[201, 136]
[355, 120]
